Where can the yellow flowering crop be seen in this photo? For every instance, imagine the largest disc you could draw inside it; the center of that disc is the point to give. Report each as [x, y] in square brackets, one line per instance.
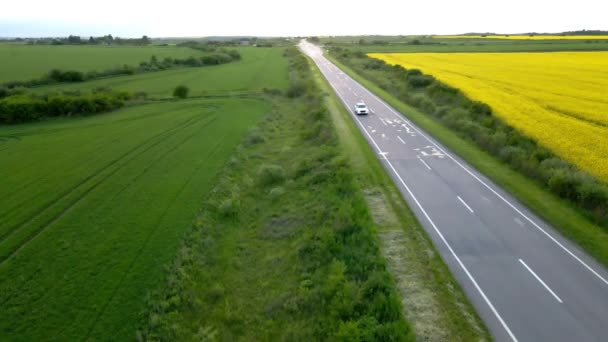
[526, 37]
[558, 98]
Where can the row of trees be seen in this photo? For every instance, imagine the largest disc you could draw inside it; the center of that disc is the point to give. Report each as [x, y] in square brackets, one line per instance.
[154, 64]
[26, 107]
[475, 121]
[78, 40]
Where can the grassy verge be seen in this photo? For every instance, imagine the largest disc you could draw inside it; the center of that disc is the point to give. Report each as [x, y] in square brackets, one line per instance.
[568, 220]
[285, 247]
[433, 300]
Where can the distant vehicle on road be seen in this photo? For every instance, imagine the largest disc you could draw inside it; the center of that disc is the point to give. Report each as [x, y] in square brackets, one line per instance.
[361, 109]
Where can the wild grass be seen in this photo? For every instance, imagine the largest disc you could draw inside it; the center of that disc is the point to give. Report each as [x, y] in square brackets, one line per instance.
[285, 248]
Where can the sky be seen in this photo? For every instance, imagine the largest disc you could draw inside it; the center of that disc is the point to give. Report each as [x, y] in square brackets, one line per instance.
[177, 18]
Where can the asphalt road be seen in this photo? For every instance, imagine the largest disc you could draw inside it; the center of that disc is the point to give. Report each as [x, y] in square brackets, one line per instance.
[526, 281]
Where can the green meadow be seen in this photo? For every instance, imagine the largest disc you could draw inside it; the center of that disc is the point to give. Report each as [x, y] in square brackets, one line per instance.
[257, 70]
[19, 62]
[94, 208]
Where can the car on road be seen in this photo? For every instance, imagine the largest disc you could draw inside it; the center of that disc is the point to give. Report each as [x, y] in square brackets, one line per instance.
[361, 109]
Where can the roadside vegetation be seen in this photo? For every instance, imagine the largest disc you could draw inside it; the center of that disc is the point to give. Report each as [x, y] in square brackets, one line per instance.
[285, 249]
[527, 92]
[433, 301]
[571, 200]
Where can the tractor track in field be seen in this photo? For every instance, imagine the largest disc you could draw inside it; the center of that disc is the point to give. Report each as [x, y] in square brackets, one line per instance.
[124, 158]
[33, 164]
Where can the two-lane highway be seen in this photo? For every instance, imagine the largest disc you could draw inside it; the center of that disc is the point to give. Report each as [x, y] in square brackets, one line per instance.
[526, 281]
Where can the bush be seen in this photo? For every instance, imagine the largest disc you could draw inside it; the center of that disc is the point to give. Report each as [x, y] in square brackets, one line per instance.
[296, 88]
[270, 174]
[4, 92]
[181, 92]
[23, 108]
[420, 81]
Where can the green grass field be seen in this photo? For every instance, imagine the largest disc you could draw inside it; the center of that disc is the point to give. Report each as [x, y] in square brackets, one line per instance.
[257, 70]
[23, 62]
[92, 208]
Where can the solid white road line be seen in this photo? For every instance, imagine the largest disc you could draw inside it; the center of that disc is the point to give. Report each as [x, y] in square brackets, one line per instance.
[465, 204]
[402, 141]
[564, 248]
[460, 263]
[425, 164]
[540, 281]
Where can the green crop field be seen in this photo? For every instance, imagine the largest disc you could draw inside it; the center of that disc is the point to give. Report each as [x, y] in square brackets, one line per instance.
[94, 208]
[259, 68]
[23, 62]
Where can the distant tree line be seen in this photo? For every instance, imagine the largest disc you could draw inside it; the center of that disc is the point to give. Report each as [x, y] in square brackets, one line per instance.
[18, 108]
[474, 121]
[77, 40]
[154, 64]
[214, 45]
[586, 33]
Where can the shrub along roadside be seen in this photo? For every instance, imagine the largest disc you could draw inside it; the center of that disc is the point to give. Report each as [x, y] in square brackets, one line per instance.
[154, 64]
[475, 122]
[24, 107]
[285, 248]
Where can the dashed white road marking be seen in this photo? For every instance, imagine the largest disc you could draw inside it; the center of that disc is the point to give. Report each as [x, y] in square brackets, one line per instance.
[518, 221]
[402, 141]
[443, 239]
[425, 164]
[541, 281]
[511, 205]
[465, 204]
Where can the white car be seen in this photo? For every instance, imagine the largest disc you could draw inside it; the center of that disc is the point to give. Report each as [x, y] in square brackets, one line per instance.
[361, 109]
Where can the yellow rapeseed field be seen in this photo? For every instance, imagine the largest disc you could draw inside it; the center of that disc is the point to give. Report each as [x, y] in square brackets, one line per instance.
[558, 98]
[525, 37]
